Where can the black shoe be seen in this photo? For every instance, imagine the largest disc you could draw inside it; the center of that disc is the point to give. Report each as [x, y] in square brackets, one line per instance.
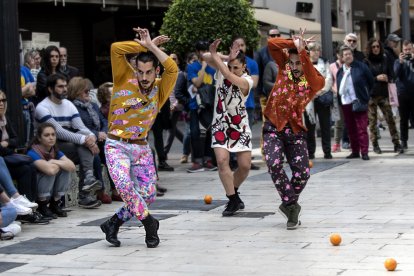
[233, 205]
[35, 218]
[254, 167]
[353, 155]
[327, 155]
[365, 157]
[294, 211]
[377, 149]
[159, 193]
[404, 144]
[311, 156]
[241, 203]
[88, 202]
[111, 228]
[151, 226]
[163, 166]
[161, 189]
[54, 206]
[398, 148]
[44, 210]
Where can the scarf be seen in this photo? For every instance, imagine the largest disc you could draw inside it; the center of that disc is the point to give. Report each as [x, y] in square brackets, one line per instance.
[347, 73]
[43, 153]
[4, 134]
[91, 112]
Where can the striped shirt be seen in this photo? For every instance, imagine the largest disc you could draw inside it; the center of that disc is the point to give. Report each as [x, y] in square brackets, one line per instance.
[65, 118]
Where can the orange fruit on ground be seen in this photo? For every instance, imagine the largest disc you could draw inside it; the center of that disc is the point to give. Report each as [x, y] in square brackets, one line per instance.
[310, 164]
[208, 199]
[390, 264]
[335, 239]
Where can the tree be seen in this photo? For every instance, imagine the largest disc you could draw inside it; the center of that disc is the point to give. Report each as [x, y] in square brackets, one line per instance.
[188, 21]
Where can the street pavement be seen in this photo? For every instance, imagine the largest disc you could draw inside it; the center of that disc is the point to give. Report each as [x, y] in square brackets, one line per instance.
[369, 203]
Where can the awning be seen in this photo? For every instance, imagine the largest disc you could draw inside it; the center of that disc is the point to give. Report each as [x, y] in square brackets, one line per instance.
[289, 22]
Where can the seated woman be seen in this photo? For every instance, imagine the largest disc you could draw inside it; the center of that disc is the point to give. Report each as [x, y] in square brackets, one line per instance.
[8, 214]
[22, 171]
[78, 93]
[54, 168]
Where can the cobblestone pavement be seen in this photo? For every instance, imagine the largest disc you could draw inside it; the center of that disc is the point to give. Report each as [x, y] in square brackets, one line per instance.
[369, 203]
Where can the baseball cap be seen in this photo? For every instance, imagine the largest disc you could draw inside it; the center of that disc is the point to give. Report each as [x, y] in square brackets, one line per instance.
[393, 37]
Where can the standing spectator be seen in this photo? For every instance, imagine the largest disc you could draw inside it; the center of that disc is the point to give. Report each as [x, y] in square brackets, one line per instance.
[404, 72]
[135, 103]
[391, 49]
[50, 65]
[354, 82]
[183, 96]
[200, 76]
[28, 86]
[230, 127]
[54, 168]
[75, 140]
[322, 108]
[65, 68]
[32, 62]
[284, 132]
[382, 72]
[338, 116]
[351, 40]
[92, 118]
[104, 97]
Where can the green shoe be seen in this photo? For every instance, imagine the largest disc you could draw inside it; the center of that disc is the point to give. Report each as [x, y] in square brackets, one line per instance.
[293, 221]
[283, 210]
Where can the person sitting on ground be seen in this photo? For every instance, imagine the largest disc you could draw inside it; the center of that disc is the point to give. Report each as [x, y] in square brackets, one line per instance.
[75, 140]
[78, 93]
[8, 214]
[54, 168]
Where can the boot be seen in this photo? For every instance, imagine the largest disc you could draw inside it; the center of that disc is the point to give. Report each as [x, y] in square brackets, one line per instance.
[56, 209]
[44, 210]
[241, 203]
[111, 228]
[377, 149]
[151, 226]
[233, 205]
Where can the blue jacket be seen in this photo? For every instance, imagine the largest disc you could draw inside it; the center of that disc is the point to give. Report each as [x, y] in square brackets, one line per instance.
[405, 77]
[362, 79]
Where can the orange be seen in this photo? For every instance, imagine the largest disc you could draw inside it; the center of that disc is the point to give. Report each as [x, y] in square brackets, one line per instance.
[390, 264]
[335, 239]
[208, 199]
[310, 164]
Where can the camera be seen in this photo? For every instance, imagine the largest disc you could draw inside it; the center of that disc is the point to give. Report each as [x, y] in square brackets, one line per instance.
[407, 56]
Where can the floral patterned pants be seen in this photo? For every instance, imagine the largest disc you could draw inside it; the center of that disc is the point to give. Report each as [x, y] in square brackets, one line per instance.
[132, 169]
[278, 144]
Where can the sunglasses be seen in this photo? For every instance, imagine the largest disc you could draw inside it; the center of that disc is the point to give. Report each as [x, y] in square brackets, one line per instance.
[274, 35]
[351, 40]
[3, 101]
[375, 46]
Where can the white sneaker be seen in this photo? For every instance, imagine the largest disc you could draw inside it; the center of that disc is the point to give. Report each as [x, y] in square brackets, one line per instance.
[23, 201]
[13, 228]
[21, 210]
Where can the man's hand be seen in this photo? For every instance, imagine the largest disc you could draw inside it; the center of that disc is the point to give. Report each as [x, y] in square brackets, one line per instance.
[213, 46]
[161, 39]
[94, 149]
[234, 50]
[299, 40]
[143, 37]
[90, 140]
[382, 77]
[401, 58]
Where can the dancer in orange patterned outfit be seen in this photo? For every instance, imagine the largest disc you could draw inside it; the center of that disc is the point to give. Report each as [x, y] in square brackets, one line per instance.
[136, 100]
[284, 133]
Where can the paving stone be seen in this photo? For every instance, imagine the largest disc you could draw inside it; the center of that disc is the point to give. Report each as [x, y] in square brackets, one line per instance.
[4, 266]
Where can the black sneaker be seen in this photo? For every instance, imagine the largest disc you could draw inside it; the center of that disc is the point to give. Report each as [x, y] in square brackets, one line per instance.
[404, 144]
[398, 148]
[34, 218]
[353, 155]
[294, 211]
[377, 149]
[233, 205]
[365, 157]
[45, 211]
[283, 211]
[55, 207]
[164, 167]
[327, 155]
[88, 202]
[92, 185]
[311, 156]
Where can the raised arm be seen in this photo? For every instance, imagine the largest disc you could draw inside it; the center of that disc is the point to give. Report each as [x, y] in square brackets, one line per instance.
[242, 83]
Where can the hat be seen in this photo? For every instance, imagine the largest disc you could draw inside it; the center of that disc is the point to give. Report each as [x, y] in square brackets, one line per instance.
[393, 37]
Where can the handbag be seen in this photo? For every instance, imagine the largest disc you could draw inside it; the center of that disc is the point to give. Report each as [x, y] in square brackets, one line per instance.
[392, 94]
[16, 159]
[325, 99]
[357, 106]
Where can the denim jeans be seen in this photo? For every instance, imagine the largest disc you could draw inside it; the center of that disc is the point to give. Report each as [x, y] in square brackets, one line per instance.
[6, 180]
[8, 215]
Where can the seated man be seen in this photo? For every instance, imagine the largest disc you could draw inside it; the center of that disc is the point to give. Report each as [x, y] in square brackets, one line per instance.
[76, 141]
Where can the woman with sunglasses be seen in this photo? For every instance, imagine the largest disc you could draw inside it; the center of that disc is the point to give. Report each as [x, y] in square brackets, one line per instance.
[382, 72]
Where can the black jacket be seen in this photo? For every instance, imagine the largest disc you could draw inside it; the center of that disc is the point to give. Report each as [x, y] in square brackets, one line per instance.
[379, 65]
[181, 90]
[405, 77]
